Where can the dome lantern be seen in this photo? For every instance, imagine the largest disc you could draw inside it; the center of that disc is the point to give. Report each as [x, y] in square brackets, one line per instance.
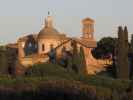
[49, 21]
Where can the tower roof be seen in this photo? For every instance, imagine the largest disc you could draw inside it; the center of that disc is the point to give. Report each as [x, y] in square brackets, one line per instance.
[88, 20]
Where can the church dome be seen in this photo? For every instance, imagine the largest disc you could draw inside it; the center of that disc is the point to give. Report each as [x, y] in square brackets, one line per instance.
[49, 31]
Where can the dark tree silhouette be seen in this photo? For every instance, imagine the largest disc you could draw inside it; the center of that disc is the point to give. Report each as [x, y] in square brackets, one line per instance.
[75, 62]
[52, 55]
[122, 56]
[105, 47]
[82, 61]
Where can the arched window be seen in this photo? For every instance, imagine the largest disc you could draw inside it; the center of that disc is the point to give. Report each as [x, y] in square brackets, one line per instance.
[43, 47]
[30, 45]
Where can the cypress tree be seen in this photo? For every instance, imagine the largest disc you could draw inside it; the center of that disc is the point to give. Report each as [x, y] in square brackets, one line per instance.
[125, 52]
[82, 61]
[119, 58]
[3, 61]
[78, 59]
[131, 58]
[75, 57]
[132, 40]
[122, 57]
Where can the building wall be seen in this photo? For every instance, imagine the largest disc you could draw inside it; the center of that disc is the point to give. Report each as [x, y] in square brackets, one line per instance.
[88, 55]
[47, 44]
[21, 53]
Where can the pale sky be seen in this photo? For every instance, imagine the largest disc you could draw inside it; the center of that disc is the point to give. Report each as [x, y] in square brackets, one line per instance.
[21, 17]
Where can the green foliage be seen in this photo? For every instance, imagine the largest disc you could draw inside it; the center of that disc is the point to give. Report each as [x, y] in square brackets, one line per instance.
[49, 70]
[37, 88]
[97, 86]
[78, 59]
[132, 42]
[3, 60]
[122, 56]
[100, 87]
[56, 72]
[104, 47]
[75, 58]
[82, 61]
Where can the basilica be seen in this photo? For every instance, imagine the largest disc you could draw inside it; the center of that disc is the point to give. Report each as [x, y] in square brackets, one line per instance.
[34, 48]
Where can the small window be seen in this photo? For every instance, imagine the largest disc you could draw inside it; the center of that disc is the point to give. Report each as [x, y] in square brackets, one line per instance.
[43, 47]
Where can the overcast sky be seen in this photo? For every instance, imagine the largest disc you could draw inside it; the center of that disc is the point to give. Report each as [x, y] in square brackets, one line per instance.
[21, 17]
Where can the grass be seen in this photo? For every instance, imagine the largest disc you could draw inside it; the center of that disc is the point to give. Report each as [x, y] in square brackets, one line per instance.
[57, 72]
[49, 72]
[49, 76]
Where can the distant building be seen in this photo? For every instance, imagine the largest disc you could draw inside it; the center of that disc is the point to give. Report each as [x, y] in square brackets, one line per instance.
[34, 48]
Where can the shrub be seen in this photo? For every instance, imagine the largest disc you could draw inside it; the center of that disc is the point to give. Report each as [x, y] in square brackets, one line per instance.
[50, 70]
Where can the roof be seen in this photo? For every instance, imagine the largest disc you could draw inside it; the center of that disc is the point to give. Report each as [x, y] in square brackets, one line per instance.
[24, 38]
[49, 32]
[68, 39]
[88, 20]
[87, 44]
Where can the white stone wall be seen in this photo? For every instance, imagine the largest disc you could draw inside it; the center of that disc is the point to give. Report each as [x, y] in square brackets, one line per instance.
[21, 45]
[47, 43]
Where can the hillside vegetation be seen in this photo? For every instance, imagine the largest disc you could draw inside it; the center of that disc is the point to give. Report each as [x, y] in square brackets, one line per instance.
[55, 82]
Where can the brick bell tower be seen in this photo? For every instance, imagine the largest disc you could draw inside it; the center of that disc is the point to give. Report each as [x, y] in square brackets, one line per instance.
[88, 29]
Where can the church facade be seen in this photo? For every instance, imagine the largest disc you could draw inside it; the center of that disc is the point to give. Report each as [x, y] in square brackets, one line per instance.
[34, 48]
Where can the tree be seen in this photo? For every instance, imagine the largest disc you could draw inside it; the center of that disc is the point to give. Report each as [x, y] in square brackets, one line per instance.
[131, 57]
[3, 60]
[12, 55]
[122, 55]
[52, 55]
[75, 57]
[64, 58]
[82, 61]
[104, 47]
